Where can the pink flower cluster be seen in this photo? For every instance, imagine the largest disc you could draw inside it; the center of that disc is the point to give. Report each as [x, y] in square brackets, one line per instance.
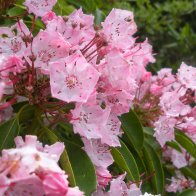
[178, 158]
[177, 101]
[180, 183]
[97, 69]
[171, 100]
[119, 187]
[31, 169]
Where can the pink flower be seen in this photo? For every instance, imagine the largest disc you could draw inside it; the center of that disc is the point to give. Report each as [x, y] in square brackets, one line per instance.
[11, 64]
[156, 89]
[118, 71]
[119, 101]
[99, 153]
[99, 192]
[141, 54]
[164, 129]
[31, 157]
[178, 159]
[172, 106]
[179, 183]
[86, 120]
[118, 28]
[48, 17]
[47, 47]
[31, 169]
[187, 76]
[77, 28]
[174, 186]
[119, 188]
[112, 131]
[146, 76]
[39, 7]
[165, 76]
[73, 78]
[21, 186]
[54, 183]
[189, 126]
[2, 86]
[11, 39]
[74, 192]
[103, 176]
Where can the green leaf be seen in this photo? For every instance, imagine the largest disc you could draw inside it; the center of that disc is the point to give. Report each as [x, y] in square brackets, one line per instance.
[77, 3]
[83, 169]
[149, 137]
[137, 156]
[133, 129]
[153, 165]
[174, 145]
[62, 8]
[188, 192]
[15, 11]
[8, 131]
[26, 112]
[19, 2]
[125, 160]
[17, 106]
[47, 134]
[186, 142]
[99, 16]
[188, 171]
[148, 131]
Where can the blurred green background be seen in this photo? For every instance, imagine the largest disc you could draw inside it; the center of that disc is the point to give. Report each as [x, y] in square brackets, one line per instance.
[170, 25]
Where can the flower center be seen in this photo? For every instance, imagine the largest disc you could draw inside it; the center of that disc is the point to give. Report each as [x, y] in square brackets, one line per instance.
[71, 81]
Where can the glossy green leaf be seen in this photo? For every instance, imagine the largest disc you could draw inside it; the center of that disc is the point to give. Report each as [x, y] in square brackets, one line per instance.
[154, 168]
[188, 192]
[133, 129]
[83, 169]
[174, 145]
[125, 160]
[186, 142]
[137, 156]
[8, 131]
[188, 171]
